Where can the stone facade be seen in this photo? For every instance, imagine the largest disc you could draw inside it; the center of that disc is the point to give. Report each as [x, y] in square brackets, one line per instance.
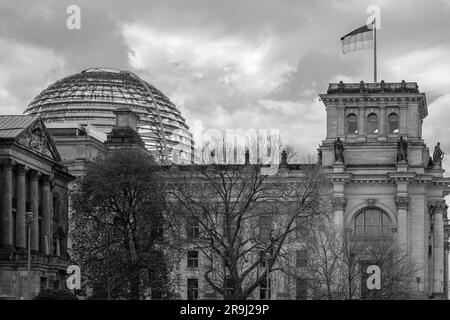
[405, 185]
[32, 180]
[375, 171]
[411, 191]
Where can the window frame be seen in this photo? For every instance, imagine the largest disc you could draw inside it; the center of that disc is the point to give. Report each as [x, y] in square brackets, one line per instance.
[192, 262]
[368, 122]
[389, 123]
[263, 290]
[193, 231]
[192, 291]
[347, 129]
[360, 229]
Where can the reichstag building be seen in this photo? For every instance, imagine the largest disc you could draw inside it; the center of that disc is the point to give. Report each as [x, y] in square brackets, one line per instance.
[384, 176]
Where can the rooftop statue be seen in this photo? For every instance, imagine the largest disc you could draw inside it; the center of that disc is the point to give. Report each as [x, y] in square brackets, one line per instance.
[338, 150]
[438, 155]
[402, 150]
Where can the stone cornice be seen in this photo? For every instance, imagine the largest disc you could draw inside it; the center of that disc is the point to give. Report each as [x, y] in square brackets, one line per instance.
[373, 87]
[349, 100]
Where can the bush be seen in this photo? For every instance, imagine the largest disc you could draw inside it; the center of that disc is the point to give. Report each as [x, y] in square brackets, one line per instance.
[54, 294]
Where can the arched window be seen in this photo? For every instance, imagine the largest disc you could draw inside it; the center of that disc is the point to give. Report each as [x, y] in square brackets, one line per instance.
[372, 222]
[352, 124]
[372, 124]
[393, 123]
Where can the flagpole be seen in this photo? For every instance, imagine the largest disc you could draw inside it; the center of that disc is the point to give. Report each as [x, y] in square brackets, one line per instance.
[374, 51]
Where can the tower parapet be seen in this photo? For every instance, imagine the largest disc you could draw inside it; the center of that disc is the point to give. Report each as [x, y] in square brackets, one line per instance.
[370, 118]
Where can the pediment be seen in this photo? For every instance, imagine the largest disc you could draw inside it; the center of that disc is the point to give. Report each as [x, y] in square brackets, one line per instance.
[36, 138]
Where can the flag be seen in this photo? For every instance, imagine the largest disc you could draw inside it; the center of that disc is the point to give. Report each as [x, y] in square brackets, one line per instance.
[359, 39]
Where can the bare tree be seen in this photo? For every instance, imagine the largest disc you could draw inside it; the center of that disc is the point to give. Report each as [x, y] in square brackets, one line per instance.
[244, 216]
[337, 262]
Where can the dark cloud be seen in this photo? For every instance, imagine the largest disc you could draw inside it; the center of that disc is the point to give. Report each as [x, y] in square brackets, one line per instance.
[230, 64]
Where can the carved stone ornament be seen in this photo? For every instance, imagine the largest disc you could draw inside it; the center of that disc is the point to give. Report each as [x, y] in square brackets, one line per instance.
[438, 207]
[339, 203]
[34, 139]
[402, 202]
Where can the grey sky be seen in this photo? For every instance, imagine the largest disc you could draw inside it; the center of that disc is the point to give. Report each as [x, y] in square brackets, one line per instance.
[231, 64]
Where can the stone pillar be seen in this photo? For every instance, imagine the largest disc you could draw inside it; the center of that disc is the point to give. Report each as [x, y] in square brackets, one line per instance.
[402, 220]
[34, 204]
[20, 208]
[6, 239]
[362, 122]
[339, 204]
[446, 252]
[438, 249]
[46, 219]
[382, 123]
[52, 213]
[403, 121]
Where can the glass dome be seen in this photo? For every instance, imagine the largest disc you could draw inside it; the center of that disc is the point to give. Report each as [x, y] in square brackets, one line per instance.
[91, 96]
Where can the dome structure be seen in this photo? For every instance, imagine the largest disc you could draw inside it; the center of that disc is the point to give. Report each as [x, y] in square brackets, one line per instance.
[91, 96]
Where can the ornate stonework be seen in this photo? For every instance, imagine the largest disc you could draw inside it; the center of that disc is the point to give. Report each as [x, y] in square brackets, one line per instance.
[339, 203]
[402, 202]
[438, 207]
[34, 139]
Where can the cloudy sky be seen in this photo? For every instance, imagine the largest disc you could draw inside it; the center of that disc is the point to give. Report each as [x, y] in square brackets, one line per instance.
[232, 64]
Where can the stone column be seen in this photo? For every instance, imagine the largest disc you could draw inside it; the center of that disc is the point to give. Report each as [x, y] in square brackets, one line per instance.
[45, 227]
[34, 204]
[403, 121]
[20, 208]
[382, 123]
[402, 220]
[362, 122]
[6, 215]
[446, 252]
[339, 209]
[438, 249]
[52, 213]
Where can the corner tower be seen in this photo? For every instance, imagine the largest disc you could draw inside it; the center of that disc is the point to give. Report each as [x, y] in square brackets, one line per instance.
[383, 178]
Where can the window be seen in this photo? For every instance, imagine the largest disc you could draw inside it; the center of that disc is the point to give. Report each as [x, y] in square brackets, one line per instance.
[192, 289]
[229, 285]
[372, 124]
[302, 226]
[264, 228]
[262, 261]
[301, 289]
[264, 257]
[352, 124]
[193, 229]
[43, 284]
[302, 258]
[264, 294]
[393, 123]
[372, 222]
[192, 259]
